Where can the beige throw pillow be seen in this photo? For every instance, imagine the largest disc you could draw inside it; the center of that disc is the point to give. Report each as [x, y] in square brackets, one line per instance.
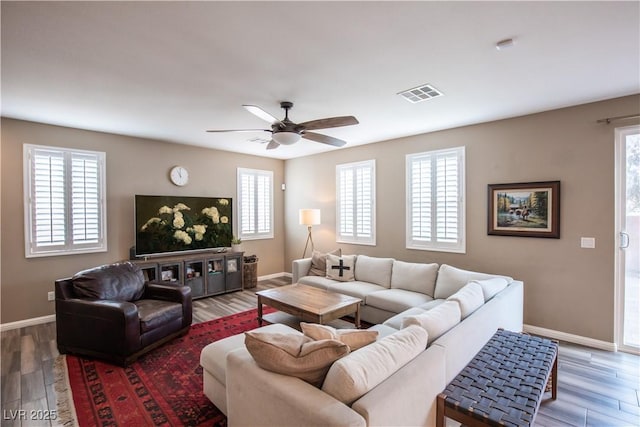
[436, 321]
[354, 338]
[319, 262]
[354, 375]
[341, 268]
[294, 354]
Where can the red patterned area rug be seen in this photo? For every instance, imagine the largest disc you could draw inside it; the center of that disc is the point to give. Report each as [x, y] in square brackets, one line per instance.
[162, 388]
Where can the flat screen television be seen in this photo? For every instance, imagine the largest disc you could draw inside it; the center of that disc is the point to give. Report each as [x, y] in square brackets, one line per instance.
[175, 224]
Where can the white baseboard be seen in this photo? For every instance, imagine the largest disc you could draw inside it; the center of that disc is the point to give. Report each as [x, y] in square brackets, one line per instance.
[27, 322]
[273, 276]
[575, 339]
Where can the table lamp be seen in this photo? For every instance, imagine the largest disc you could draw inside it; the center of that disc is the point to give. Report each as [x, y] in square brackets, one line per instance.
[309, 217]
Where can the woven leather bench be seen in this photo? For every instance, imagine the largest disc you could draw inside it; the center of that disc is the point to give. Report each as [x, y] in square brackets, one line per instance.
[504, 383]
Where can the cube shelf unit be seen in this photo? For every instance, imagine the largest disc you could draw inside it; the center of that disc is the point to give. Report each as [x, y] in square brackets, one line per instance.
[206, 273]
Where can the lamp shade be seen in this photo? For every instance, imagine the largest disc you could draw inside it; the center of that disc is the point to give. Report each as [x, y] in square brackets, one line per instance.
[309, 216]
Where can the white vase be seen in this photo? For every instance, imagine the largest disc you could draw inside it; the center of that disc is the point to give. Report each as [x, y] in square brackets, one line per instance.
[236, 248]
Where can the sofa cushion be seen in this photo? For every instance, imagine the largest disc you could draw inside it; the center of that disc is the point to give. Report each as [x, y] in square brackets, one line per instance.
[316, 281]
[319, 262]
[355, 289]
[154, 313]
[294, 354]
[436, 321]
[374, 270]
[470, 298]
[490, 287]
[415, 277]
[118, 282]
[354, 375]
[213, 357]
[354, 338]
[396, 300]
[396, 321]
[341, 268]
[431, 304]
[451, 279]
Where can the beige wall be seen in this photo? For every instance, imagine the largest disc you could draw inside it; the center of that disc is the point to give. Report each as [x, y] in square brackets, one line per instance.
[134, 166]
[567, 288]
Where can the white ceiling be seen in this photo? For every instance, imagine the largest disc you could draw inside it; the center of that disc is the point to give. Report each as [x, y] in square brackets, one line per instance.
[171, 70]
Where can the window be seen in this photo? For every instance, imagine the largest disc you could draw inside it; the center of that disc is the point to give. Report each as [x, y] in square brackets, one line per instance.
[435, 200]
[255, 209]
[356, 206]
[64, 197]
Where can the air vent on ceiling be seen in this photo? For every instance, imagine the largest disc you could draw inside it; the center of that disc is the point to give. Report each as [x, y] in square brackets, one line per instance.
[420, 93]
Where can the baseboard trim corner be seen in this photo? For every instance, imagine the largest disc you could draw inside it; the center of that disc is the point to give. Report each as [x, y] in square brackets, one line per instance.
[273, 276]
[575, 339]
[27, 322]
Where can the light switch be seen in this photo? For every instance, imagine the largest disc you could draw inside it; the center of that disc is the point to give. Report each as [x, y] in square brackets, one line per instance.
[588, 242]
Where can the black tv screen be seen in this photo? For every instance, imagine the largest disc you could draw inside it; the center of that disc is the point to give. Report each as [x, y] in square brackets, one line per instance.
[169, 224]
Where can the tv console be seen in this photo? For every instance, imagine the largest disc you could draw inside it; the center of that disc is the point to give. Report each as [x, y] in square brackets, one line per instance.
[206, 273]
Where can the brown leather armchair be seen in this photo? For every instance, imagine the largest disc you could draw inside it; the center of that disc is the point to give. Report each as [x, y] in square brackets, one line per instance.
[109, 312]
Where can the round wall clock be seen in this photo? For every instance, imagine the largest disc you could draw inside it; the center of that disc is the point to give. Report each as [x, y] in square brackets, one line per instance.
[179, 175]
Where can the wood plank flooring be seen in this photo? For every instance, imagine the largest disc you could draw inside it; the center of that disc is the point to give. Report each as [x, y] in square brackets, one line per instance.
[595, 388]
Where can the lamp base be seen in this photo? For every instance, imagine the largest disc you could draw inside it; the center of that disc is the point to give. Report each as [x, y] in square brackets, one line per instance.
[309, 239]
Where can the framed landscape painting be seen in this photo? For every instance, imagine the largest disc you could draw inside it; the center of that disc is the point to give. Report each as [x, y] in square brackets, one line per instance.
[530, 209]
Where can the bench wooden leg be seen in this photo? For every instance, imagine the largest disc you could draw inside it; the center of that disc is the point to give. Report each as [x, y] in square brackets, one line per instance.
[554, 380]
[440, 410]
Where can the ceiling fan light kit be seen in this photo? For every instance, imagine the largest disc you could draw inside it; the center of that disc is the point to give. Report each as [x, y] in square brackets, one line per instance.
[286, 132]
[286, 138]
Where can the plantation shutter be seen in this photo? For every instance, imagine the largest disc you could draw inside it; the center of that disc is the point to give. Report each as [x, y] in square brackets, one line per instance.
[355, 187]
[85, 198]
[64, 201]
[435, 200]
[255, 193]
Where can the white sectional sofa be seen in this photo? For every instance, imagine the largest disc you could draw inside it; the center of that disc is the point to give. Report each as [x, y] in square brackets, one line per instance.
[411, 294]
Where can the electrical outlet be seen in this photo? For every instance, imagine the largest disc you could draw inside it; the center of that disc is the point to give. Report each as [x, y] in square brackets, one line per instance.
[51, 296]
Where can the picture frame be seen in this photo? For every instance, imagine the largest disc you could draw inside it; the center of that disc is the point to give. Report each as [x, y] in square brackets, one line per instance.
[527, 209]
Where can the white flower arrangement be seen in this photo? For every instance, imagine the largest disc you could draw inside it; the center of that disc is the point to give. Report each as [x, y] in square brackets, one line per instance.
[212, 213]
[183, 236]
[184, 227]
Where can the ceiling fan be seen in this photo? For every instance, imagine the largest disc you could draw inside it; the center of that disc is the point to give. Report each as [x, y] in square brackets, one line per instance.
[286, 132]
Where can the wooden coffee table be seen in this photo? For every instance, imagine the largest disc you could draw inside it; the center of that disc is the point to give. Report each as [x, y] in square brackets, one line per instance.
[309, 304]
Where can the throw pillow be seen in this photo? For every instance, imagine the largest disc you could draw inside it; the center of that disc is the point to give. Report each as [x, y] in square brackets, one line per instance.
[319, 262]
[491, 287]
[436, 321]
[470, 298]
[341, 268]
[354, 338]
[294, 355]
[356, 374]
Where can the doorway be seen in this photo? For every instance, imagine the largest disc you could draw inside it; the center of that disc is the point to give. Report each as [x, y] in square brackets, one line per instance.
[628, 230]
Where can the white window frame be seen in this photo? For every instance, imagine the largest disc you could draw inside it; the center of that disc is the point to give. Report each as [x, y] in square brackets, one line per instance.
[431, 243]
[366, 237]
[253, 233]
[66, 181]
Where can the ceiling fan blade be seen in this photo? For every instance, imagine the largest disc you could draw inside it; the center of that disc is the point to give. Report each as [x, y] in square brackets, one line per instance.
[240, 130]
[272, 145]
[331, 122]
[254, 109]
[325, 139]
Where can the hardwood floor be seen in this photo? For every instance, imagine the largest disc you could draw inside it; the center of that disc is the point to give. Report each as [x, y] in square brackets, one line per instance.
[595, 388]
